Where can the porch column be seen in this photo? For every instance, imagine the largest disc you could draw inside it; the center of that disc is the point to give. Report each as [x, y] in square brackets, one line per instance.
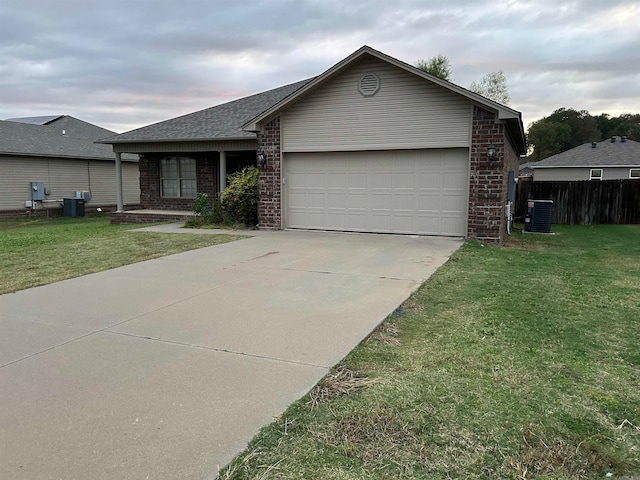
[119, 202]
[223, 171]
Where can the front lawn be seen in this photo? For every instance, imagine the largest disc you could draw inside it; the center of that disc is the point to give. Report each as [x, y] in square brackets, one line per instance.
[40, 251]
[518, 362]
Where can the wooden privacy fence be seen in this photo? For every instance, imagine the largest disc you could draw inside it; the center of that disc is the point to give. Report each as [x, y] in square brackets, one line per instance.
[584, 203]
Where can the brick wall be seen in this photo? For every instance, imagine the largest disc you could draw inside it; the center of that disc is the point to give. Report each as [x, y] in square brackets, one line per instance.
[487, 184]
[269, 185]
[150, 198]
[28, 213]
[58, 211]
[118, 218]
[488, 178]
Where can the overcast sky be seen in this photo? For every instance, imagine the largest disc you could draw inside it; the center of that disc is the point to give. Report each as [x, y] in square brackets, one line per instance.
[122, 64]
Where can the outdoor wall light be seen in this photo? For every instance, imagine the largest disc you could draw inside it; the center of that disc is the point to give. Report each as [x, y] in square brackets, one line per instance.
[491, 152]
[262, 159]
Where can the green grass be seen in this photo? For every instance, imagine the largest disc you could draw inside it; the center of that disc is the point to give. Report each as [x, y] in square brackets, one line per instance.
[515, 362]
[40, 251]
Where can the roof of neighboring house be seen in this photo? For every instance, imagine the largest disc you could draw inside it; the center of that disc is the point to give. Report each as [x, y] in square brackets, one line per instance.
[239, 119]
[222, 122]
[42, 120]
[526, 169]
[62, 136]
[527, 165]
[607, 153]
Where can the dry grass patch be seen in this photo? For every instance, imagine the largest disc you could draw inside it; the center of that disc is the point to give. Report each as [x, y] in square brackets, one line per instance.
[387, 334]
[243, 465]
[557, 457]
[341, 381]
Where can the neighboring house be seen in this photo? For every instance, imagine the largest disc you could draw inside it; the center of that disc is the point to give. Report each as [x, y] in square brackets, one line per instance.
[371, 145]
[59, 151]
[526, 170]
[614, 159]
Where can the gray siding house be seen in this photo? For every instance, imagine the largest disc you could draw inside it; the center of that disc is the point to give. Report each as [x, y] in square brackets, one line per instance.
[617, 158]
[371, 145]
[59, 151]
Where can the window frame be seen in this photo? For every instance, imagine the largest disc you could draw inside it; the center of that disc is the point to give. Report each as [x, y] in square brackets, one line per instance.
[593, 177]
[637, 171]
[182, 176]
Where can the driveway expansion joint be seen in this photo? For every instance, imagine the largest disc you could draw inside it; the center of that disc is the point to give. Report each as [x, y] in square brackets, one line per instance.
[350, 274]
[214, 349]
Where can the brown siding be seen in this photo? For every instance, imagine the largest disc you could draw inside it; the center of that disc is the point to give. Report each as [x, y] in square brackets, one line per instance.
[186, 146]
[62, 178]
[578, 173]
[407, 112]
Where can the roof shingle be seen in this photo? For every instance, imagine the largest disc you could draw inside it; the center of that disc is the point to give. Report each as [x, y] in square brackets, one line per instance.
[64, 136]
[219, 122]
[605, 153]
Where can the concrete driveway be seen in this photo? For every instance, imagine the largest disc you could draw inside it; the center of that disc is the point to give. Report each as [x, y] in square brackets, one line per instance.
[167, 368]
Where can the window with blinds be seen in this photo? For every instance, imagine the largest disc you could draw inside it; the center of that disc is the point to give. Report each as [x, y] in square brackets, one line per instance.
[178, 177]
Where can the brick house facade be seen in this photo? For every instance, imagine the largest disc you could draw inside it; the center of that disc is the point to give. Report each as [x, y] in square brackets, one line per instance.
[488, 179]
[441, 130]
[150, 191]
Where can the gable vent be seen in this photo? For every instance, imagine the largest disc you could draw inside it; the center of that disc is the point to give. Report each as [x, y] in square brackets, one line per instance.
[369, 84]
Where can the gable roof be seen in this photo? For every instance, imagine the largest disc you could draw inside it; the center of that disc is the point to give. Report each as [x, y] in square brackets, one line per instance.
[62, 136]
[240, 119]
[526, 165]
[605, 154]
[42, 120]
[511, 117]
[221, 122]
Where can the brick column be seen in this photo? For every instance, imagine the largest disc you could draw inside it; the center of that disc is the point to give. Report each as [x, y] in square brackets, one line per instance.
[149, 181]
[269, 183]
[488, 179]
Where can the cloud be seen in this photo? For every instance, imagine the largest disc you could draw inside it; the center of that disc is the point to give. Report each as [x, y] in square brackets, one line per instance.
[124, 64]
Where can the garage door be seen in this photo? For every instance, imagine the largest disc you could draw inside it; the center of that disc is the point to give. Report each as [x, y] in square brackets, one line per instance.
[402, 191]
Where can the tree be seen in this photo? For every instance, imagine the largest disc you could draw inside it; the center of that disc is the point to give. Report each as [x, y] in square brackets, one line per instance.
[564, 129]
[493, 86]
[438, 66]
[627, 124]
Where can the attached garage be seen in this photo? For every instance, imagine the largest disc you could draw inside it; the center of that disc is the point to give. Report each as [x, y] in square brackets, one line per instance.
[372, 144]
[421, 191]
[376, 145]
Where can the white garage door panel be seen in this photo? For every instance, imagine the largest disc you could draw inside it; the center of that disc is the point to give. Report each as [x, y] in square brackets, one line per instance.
[408, 191]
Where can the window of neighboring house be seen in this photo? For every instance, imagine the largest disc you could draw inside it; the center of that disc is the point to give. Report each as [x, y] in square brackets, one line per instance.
[595, 174]
[634, 173]
[178, 177]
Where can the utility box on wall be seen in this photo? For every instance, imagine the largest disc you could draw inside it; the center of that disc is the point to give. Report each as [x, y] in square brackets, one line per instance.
[37, 191]
[74, 207]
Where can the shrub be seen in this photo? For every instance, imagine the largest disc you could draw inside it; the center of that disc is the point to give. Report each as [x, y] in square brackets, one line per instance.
[202, 210]
[239, 202]
[201, 205]
[217, 211]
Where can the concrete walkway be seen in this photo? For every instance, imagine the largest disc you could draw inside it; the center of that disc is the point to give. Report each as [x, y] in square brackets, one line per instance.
[165, 369]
